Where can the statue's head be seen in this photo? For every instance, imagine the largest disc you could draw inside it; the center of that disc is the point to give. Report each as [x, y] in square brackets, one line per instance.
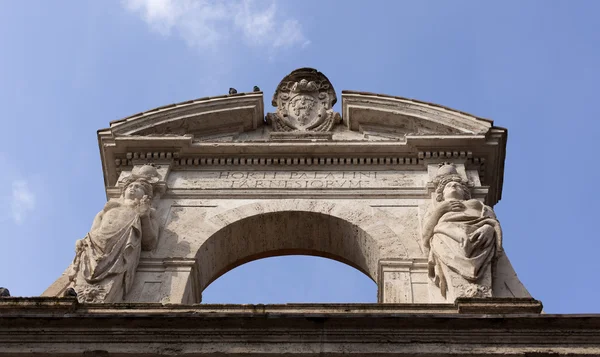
[137, 188]
[453, 188]
[450, 185]
[140, 183]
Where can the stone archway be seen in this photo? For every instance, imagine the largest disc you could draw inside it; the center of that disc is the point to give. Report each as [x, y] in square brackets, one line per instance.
[354, 234]
[347, 234]
[237, 185]
[286, 233]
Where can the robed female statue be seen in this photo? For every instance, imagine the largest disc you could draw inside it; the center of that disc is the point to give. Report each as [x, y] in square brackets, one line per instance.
[107, 257]
[462, 236]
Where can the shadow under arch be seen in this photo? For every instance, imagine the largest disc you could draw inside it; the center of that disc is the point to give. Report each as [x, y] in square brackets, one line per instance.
[349, 234]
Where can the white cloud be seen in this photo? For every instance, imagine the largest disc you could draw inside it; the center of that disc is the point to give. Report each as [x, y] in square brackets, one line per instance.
[207, 23]
[22, 200]
[291, 32]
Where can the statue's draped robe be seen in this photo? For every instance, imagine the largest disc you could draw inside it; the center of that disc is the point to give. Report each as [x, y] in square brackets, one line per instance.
[111, 252]
[453, 258]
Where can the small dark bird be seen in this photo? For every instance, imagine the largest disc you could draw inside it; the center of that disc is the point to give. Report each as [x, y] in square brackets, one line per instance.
[256, 89]
[70, 292]
[4, 292]
[232, 91]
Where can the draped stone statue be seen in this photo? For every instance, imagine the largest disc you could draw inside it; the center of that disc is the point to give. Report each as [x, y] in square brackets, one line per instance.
[107, 257]
[462, 236]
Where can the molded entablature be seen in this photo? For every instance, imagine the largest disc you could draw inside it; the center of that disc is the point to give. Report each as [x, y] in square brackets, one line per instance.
[216, 131]
[175, 125]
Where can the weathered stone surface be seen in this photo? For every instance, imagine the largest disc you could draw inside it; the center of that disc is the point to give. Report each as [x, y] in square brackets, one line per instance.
[462, 236]
[304, 101]
[296, 180]
[362, 193]
[106, 259]
[470, 327]
[403, 192]
[497, 305]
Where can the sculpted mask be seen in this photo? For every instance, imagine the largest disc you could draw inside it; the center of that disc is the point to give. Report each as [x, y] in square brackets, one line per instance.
[462, 236]
[107, 257]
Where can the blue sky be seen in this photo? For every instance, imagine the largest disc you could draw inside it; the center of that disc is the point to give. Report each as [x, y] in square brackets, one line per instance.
[68, 68]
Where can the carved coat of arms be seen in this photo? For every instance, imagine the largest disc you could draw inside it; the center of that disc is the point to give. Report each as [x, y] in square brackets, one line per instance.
[304, 101]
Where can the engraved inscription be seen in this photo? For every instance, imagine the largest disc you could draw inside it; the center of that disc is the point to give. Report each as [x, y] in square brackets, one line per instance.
[297, 179]
[316, 180]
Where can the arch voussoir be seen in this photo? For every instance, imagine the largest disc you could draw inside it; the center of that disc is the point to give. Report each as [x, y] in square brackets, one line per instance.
[348, 233]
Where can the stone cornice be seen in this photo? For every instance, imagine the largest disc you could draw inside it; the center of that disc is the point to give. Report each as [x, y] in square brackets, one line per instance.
[174, 124]
[49, 306]
[349, 193]
[467, 138]
[299, 163]
[416, 101]
[205, 107]
[360, 108]
[478, 327]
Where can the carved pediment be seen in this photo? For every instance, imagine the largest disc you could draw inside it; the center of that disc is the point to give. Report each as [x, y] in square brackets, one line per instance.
[230, 114]
[233, 128]
[307, 97]
[396, 117]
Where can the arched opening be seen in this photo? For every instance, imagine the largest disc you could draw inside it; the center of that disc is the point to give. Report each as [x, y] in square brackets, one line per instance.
[279, 233]
[291, 279]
